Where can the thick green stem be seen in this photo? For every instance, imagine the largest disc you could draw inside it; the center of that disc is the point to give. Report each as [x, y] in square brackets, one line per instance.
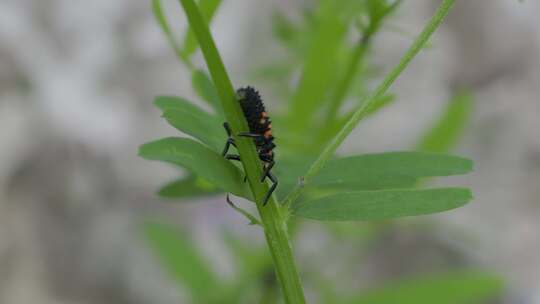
[413, 50]
[272, 217]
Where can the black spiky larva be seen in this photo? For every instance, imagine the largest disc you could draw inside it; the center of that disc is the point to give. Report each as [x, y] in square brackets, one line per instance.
[260, 130]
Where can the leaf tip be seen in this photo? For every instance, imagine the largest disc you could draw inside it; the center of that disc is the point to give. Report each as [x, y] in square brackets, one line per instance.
[140, 150]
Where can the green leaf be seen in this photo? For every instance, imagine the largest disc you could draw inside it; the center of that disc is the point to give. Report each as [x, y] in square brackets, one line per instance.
[192, 120]
[283, 28]
[204, 87]
[182, 260]
[462, 287]
[198, 124]
[188, 187]
[377, 11]
[250, 261]
[380, 103]
[173, 102]
[200, 160]
[320, 65]
[389, 170]
[384, 204]
[162, 21]
[208, 9]
[450, 126]
[383, 170]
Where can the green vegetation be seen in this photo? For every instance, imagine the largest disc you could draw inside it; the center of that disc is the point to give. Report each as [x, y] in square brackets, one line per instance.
[330, 99]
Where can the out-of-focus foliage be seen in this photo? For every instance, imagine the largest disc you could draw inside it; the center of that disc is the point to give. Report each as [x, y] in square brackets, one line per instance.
[448, 129]
[449, 288]
[208, 9]
[186, 264]
[323, 75]
[183, 262]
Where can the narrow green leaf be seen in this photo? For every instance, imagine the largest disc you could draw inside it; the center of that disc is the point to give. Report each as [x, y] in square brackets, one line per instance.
[250, 262]
[377, 11]
[208, 9]
[162, 21]
[384, 204]
[380, 103]
[389, 170]
[198, 124]
[173, 102]
[188, 187]
[250, 259]
[200, 160]
[450, 126]
[253, 220]
[283, 28]
[204, 87]
[462, 287]
[383, 170]
[182, 260]
[189, 47]
[320, 65]
[192, 120]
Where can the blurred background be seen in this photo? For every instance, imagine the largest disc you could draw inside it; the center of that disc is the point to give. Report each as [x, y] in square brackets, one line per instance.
[77, 81]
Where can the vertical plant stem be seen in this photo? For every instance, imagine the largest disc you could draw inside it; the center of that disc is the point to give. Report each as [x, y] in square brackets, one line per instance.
[413, 50]
[272, 217]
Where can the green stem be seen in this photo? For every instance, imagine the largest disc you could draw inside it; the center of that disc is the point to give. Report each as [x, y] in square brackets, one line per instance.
[331, 148]
[272, 215]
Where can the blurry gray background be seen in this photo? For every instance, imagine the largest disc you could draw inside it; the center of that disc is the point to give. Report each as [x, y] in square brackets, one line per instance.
[77, 79]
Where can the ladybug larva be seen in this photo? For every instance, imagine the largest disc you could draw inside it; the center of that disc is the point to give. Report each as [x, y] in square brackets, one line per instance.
[260, 130]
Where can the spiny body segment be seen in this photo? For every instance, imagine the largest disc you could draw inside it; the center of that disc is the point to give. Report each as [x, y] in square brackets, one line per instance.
[260, 130]
[258, 121]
